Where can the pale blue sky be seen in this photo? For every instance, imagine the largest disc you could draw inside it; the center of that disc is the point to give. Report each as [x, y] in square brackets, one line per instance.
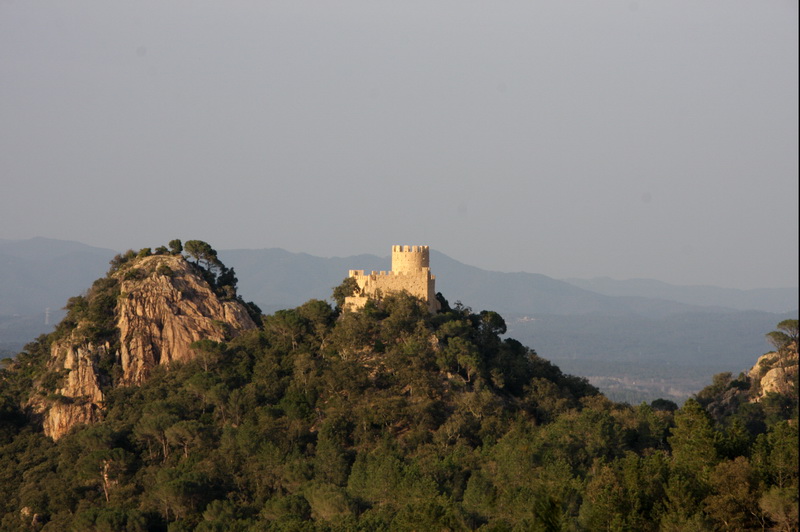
[575, 139]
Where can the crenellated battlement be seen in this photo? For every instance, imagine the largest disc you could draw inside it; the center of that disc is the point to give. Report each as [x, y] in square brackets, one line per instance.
[390, 273]
[410, 272]
[410, 258]
[410, 249]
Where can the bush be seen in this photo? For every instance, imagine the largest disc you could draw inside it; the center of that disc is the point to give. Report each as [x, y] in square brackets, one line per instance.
[164, 270]
[135, 274]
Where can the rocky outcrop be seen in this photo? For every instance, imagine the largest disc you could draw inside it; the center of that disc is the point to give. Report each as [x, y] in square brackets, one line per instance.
[775, 372]
[161, 315]
[80, 399]
[164, 305]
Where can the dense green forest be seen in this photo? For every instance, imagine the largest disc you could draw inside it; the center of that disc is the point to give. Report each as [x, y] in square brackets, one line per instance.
[391, 418]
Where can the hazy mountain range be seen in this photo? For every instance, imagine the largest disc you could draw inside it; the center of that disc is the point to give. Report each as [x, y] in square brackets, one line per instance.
[38, 273]
[764, 299]
[275, 278]
[592, 327]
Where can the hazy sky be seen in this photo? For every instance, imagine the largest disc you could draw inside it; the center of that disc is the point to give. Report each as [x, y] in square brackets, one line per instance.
[570, 138]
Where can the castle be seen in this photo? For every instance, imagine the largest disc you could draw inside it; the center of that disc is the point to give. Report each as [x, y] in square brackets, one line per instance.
[410, 272]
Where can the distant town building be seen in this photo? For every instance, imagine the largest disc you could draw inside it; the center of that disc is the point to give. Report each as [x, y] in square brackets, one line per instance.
[411, 272]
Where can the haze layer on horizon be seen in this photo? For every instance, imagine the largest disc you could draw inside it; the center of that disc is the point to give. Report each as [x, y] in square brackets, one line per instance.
[574, 139]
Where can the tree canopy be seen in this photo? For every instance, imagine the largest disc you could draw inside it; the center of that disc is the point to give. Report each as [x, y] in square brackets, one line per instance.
[202, 253]
[785, 335]
[389, 418]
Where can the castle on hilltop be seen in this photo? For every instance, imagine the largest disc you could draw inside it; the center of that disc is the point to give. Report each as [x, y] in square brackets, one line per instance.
[411, 272]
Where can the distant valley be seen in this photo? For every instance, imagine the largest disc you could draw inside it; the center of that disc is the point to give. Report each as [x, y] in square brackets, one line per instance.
[637, 340]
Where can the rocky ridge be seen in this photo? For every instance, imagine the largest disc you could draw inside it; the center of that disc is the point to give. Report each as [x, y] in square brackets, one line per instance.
[163, 305]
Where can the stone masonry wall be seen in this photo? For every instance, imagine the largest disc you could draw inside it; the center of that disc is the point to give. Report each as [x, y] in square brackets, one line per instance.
[410, 258]
[410, 272]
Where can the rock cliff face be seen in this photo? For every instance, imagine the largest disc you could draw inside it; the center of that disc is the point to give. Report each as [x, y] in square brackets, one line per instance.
[80, 399]
[163, 306]
[161, 315]
[776, 372]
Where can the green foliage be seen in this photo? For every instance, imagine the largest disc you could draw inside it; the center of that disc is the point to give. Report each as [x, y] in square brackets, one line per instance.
[202, 252]
[121, 260]
[222, 279]
[664, 404]
[733, 503]
[135, 274]
[388, 418]
[91, 317]
[164, 270]
[785, 335]
[692, 441]
[780, 506]
[347, 288]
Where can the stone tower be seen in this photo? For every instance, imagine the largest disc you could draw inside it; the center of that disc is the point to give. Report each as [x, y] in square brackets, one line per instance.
[409, 259]
[410, 272]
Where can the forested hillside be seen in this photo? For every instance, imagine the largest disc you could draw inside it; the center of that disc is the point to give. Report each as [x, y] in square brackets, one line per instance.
[634, 349]
[389, 418]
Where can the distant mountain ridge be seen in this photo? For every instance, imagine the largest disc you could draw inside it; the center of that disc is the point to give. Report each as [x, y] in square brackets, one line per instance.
[275, 279]
[533, 293]
[39, 273]
[763, 299]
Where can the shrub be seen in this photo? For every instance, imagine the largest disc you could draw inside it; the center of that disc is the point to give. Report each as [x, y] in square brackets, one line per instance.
[164, 270]
[135, 274]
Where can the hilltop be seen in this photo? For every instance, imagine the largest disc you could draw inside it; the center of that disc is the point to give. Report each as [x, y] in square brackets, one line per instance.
[637, 340]
[389, 417]
[146, 312]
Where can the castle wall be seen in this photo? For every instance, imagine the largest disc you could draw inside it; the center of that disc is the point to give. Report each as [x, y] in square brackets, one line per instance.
[410, 273]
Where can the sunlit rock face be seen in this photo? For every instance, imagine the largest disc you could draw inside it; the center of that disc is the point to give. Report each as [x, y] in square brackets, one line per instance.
[160, 316]
[776, 371]
[80, 399]
[163, 306]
